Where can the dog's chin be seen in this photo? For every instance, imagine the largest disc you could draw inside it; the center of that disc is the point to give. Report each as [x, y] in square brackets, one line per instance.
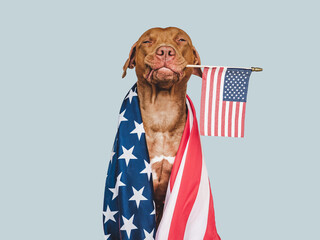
[164, 78]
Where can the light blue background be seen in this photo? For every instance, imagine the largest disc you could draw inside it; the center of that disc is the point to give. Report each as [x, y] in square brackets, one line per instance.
[61, 90]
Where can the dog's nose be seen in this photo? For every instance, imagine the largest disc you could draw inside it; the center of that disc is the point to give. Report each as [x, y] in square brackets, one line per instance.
[166, 53]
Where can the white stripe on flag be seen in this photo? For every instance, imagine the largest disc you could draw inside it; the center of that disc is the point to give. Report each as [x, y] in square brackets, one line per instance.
[191, 115]
[198, 218]
[234, 106]
[240, 119]
[206, 110]
[221, 101]
[214, 93]
[226, 119]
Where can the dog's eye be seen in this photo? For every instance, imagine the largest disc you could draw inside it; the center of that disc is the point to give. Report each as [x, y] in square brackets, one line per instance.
[146, 41]
[181, 40]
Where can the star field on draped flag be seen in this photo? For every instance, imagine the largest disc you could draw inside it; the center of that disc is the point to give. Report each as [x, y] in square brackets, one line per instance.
[122, 118]
[148, 236]
[137, 196]
[131, 95]
[127, 154]
[112, 154]
[128, 225]
[115, 190]
[154, 209]
[147, 169]
[109, 215]
[138, 129]
[128, 208]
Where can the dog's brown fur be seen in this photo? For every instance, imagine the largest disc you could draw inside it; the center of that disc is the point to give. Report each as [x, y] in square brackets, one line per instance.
[160, 57]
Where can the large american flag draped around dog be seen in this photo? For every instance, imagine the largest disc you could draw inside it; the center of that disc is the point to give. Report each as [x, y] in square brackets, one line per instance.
[129, 211]
[223, 101]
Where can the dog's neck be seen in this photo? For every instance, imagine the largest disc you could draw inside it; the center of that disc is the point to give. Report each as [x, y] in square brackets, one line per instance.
[162, 110]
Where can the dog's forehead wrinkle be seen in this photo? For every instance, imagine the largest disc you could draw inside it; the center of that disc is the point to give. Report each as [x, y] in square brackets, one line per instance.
[169, 33]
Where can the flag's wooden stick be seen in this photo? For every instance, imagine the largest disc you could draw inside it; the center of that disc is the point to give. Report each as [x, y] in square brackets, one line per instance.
[253, 69]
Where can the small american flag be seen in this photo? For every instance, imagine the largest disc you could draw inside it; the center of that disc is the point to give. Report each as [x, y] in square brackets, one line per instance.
[223, 101]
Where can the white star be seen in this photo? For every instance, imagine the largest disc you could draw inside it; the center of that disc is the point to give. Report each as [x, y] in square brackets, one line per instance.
[127, 155]
[147, 169]
[148, 236]
[112, 154]
[154, 209]
[137, 196]
[138, 130]
[128, 225]
[109, 215]
[131, 95]
[115, 190]
[122, 118]
[107, 236]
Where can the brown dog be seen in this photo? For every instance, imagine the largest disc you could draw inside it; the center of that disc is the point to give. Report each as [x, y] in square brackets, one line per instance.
[160, 57]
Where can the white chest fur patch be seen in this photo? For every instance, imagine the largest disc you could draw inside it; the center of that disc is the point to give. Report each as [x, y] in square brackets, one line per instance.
[159, 159]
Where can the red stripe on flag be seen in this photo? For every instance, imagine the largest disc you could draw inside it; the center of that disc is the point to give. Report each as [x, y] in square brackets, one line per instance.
[230, 118]
[210, 100]
[236, 120]
[189, 185]
[217, 102]
[223, 116]
[203, 99]
[243, 117]
[179, 155]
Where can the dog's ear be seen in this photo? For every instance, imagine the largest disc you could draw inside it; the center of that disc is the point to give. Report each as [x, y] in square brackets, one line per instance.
[197, 61]
[130, 63]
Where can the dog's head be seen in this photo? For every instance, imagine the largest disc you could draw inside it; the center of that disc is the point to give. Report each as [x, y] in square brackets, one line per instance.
[161, 55]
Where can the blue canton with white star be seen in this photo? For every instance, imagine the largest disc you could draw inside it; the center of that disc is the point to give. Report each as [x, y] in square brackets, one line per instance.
[236, 85]
[128, 209]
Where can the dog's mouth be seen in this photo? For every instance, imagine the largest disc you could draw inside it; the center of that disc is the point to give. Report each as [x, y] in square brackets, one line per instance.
[163, 74]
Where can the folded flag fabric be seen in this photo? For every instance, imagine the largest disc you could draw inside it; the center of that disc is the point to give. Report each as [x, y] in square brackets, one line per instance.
[129, 212]
[223, 101]
[188, 210]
